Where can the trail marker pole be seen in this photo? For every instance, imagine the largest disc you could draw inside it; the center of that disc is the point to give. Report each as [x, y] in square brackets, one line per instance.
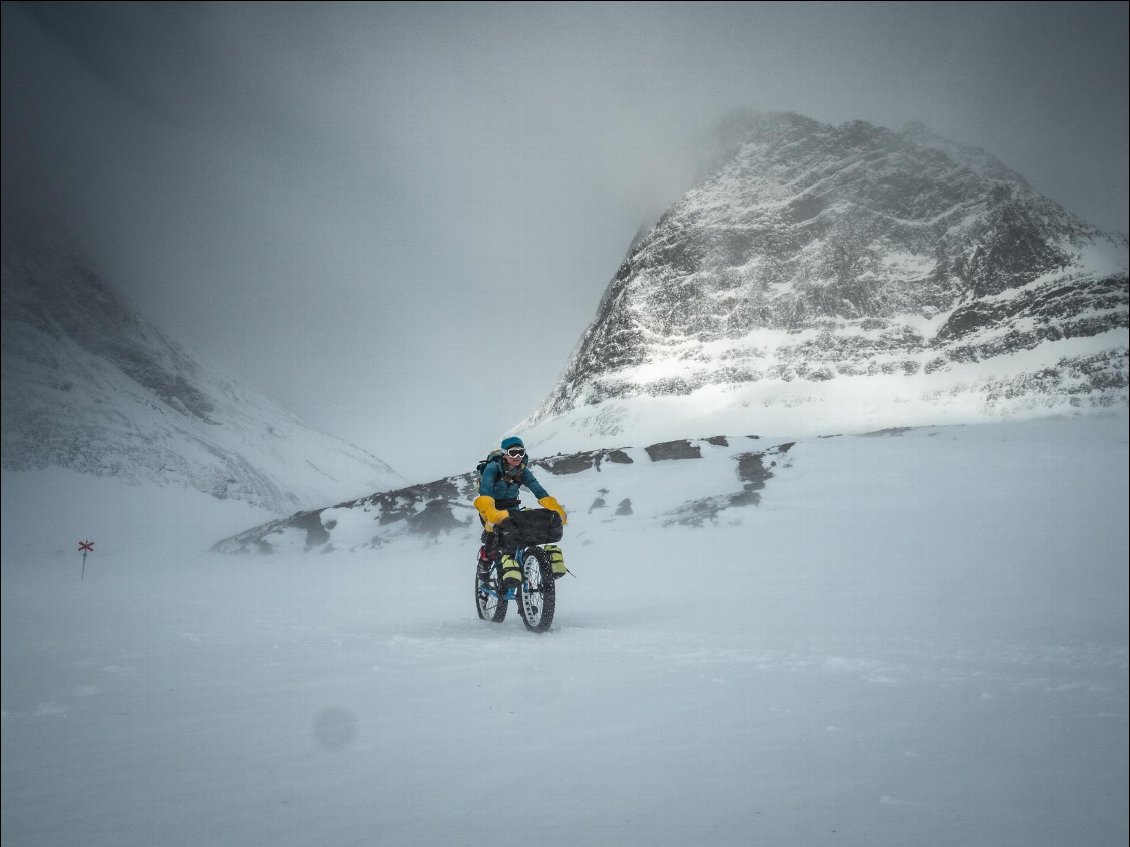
[85, 547]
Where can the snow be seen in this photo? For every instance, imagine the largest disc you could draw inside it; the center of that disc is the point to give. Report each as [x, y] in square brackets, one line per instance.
[910, 265]
[918, 637]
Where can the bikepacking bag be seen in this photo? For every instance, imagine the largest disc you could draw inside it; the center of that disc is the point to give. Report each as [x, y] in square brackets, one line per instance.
[556, 559]
[530, 526]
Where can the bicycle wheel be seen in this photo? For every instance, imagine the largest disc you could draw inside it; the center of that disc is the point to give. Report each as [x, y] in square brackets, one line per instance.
[537, 595]
[489, 602]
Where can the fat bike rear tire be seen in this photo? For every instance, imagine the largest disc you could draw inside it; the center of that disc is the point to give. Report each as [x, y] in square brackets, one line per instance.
[537, 596]
[490, 602]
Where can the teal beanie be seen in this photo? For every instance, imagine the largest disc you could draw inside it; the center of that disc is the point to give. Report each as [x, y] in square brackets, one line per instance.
[512, 441]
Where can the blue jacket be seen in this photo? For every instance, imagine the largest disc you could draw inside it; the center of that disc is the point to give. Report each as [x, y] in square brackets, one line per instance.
[495, 484]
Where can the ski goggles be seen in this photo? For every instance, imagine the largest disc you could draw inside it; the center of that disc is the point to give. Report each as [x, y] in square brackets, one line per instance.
[515, 452]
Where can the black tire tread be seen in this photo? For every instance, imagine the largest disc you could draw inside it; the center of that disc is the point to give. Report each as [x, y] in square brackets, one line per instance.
[548, 593]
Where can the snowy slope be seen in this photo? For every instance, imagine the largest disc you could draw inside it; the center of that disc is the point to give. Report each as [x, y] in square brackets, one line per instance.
[855, 275]
[89, 386]
[684, 482]
[918, 637]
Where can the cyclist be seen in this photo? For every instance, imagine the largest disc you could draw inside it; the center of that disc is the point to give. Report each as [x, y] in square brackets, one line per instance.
[499, 488]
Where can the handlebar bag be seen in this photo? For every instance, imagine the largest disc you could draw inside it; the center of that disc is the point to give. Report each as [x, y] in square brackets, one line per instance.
[530, 526]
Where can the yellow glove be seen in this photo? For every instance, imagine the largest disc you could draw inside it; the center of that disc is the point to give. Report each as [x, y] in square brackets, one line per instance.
[551, 503]
[487, 509]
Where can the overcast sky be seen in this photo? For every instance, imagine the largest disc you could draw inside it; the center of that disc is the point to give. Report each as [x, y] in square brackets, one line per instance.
[398, 220]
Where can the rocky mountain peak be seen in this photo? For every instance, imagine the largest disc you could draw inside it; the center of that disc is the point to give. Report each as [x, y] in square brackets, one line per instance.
[823, 256]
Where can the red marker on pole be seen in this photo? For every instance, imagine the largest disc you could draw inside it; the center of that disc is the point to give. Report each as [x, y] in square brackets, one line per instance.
[85, 547]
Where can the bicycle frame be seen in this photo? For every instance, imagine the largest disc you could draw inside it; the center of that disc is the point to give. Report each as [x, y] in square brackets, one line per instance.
[520, 558]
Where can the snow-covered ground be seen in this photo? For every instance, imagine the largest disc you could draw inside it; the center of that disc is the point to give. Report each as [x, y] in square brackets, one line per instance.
[914, 639]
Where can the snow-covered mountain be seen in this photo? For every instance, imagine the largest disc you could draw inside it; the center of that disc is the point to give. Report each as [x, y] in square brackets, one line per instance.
[844, 278]
[89, 385]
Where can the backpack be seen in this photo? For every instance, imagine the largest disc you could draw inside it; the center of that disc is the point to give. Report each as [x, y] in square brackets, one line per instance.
[493, 456]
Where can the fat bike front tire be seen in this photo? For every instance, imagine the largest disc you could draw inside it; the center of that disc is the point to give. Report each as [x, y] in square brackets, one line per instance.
[490, 602]
[537, 596]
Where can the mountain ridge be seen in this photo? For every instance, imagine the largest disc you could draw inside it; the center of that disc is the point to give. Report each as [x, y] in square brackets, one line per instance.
[88, 384]
[739, 468]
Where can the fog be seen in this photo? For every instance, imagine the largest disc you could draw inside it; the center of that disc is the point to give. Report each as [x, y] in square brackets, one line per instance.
[398, 219]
